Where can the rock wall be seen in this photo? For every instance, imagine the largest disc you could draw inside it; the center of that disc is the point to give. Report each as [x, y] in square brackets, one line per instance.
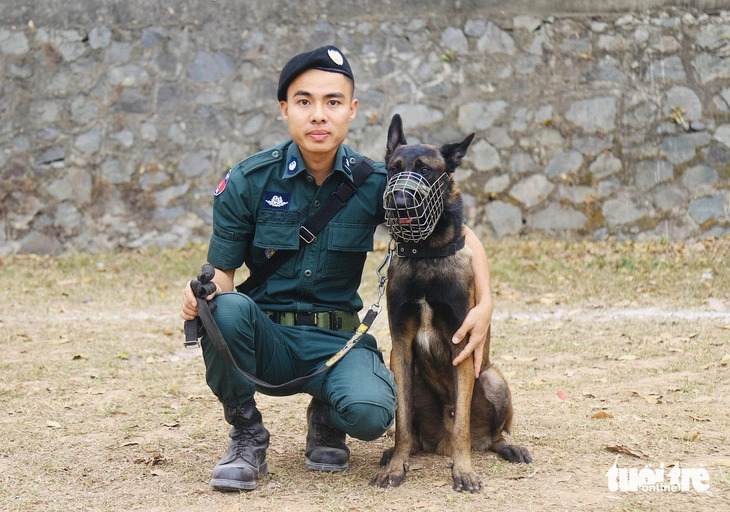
[115, 128]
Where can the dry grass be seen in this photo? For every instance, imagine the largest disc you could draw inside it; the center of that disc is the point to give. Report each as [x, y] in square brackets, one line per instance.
[102, 409]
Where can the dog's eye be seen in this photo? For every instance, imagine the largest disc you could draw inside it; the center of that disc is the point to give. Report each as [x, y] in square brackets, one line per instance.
[425, 170]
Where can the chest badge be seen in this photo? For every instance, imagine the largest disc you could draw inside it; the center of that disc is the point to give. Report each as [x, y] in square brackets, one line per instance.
[276, 200]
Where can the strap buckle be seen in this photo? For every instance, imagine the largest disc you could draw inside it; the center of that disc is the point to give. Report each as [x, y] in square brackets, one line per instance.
[306, 235]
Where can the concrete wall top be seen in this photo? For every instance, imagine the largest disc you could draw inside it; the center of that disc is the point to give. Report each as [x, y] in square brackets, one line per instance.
[138, 12]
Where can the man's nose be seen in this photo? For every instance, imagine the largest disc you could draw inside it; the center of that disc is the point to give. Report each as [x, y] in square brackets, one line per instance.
[318, 113]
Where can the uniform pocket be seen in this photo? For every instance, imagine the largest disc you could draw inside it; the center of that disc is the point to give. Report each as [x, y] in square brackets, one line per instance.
[277, 231]
[348, 245]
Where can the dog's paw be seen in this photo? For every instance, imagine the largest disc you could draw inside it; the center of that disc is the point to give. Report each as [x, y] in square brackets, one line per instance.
[515, 454]
[390, 476]
[468, 482]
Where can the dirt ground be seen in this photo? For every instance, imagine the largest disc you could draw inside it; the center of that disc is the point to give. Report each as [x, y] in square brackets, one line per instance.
[616, 353]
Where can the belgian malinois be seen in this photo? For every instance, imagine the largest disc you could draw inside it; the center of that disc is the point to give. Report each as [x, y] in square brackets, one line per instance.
[430, 289]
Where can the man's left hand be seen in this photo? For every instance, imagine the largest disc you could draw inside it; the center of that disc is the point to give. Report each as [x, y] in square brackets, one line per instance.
[476, 327]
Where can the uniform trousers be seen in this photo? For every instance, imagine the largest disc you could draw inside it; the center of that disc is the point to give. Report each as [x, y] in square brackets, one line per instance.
[359, 390]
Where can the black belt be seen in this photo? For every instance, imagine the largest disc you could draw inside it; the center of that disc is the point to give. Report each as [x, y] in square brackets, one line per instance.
[346, 321]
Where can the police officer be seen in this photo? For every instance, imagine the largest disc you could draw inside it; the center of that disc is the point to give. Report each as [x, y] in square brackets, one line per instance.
[307, 310]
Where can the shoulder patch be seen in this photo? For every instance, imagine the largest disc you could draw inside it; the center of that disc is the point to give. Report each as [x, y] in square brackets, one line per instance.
[222, 185]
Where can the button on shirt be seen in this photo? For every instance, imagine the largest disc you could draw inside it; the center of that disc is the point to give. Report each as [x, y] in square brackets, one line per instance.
[265, 200]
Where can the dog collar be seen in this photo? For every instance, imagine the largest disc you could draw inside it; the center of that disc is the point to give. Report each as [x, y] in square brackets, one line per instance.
[421, 251]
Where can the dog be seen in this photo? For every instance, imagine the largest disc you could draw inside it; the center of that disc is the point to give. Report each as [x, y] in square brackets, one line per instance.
[430, 289]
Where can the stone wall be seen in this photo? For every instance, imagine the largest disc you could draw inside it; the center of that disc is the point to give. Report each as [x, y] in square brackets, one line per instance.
[116, 124]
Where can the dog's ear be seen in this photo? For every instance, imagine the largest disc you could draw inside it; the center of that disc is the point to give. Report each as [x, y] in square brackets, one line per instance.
[395, 137]
[453, 153]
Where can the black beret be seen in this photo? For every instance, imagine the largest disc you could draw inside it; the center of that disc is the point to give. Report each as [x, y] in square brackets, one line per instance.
[326, 58]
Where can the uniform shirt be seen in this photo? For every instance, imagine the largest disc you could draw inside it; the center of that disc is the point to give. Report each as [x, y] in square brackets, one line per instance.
[259, 207]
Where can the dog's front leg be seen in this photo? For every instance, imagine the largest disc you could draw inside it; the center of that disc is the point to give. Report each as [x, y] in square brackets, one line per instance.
[401, 364]
[465, 479]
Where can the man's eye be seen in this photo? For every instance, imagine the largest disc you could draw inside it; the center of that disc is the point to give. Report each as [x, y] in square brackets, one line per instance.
[334, 103]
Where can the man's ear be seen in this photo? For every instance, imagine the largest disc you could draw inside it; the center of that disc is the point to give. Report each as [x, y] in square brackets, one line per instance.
[284, 106]
[395, 136]
[453, 153]
[353, 109]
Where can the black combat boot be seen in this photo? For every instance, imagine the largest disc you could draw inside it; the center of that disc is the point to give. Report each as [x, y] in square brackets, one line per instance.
[326, 449]
[245, 458]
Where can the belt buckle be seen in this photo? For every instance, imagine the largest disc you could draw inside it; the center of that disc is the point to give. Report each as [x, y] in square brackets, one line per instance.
[305, 319]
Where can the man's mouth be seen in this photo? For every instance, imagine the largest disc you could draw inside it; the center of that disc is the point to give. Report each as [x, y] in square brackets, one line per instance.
[319, 135]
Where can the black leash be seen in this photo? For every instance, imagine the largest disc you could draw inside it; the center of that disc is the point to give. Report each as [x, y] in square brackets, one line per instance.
[204, 286]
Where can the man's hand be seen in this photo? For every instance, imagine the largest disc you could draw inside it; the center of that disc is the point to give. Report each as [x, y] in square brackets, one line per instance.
[476, 327]
[190, 302]
[223, 280]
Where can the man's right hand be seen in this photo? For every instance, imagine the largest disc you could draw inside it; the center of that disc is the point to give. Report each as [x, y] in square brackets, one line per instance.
[190, 302]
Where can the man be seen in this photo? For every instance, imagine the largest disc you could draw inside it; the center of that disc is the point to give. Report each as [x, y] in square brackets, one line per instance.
[273, 332]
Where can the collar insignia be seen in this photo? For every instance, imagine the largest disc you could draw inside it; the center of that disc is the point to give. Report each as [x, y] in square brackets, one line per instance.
[292, 166]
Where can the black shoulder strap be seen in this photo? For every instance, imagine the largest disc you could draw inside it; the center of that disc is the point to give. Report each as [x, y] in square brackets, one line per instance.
[310, 229]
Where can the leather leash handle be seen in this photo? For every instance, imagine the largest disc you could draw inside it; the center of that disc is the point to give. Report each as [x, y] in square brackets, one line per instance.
[202, 287]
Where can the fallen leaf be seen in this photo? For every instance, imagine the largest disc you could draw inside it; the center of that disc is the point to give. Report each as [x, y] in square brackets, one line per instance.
[562, 395]
[53, 424]
[722, 462]
[79, 356]
[652, 398]
[627, 357]
[677, 350]
[691, 436]
[523, 476]
[600, 415]
[549, 300]
[626, 451]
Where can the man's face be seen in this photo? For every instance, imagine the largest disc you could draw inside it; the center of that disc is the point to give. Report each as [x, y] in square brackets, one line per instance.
[319, 107]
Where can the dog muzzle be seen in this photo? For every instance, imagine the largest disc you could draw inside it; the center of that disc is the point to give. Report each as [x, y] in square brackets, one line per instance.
[412, 205]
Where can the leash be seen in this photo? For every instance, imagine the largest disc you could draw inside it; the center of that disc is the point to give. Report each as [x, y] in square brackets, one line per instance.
[203, 286]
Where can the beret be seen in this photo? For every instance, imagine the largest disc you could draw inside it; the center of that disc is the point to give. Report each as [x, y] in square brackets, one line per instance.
[326, 58]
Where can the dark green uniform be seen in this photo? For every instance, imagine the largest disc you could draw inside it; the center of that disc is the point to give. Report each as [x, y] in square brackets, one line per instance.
[258, 209]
